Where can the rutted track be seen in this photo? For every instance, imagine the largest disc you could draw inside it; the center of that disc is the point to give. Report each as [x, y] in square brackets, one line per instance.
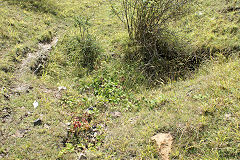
[26, 66]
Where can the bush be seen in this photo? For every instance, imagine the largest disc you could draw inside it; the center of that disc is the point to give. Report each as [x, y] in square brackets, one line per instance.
[146, 22]
[83, 52]
[82, 48]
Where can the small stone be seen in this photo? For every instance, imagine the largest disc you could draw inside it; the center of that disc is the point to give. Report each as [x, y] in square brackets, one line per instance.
[61, 88]
[22, 108]
[29, 113]
[90, 108]
[200, 13]
[35, 104]
[46, 126]
[82, 156]
[37, 122]
[18, 134]
[116, 114]
[41, 116]
[58, 95]
[68, 123]
[227, 116]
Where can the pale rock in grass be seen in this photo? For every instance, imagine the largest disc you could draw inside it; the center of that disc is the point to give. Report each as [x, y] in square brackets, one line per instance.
[82, 156]
[18, 134]
[199, 13]
[46, 126]
[68, 124]
[60, 88]
[35, 104]
[227, 116]
[164, 143]
[116, 114]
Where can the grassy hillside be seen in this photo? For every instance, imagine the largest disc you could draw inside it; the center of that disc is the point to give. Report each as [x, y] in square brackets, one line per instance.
[93, 101]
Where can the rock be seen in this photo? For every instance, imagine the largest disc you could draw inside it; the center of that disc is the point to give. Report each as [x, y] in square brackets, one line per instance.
[41, 116]
[200, 13]
[6, 96]
[95, 134]
[116, 114]
[35, 104]
[68, 123]
[46, 126]
[22, 108]
[28, 114]
[90, 108]
[227, 117]
[37, 122]
[20, 133]
[58, 95]
[60, 88]
[82, 156]
[164, 143]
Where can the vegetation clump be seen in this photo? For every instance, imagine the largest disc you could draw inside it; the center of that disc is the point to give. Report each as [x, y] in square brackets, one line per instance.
[82, 48]
[157, 47]
[84, 133]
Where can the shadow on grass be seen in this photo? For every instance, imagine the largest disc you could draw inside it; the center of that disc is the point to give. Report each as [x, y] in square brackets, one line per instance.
[175, 58]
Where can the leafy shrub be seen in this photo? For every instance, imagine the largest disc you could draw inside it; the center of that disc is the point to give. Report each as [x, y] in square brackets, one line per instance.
[146, 20]
[156, 46]
[82, 48]
[108, 88]
[107, 93]
[83, 52]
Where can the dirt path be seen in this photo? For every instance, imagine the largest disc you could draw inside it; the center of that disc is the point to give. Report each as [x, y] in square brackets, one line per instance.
[31, 64]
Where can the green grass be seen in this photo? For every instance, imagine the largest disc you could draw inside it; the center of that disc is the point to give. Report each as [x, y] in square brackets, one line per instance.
[200, 110]
[211, 28]
[195, 112]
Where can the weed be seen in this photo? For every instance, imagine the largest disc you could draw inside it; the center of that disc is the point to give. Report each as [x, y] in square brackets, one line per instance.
[84, 133]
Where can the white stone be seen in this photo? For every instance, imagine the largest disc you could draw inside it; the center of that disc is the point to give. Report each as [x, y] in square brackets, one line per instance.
[35, 104]
[61, 88]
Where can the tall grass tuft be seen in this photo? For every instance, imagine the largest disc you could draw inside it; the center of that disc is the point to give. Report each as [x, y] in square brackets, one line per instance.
[82, 48]
[156, 47]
